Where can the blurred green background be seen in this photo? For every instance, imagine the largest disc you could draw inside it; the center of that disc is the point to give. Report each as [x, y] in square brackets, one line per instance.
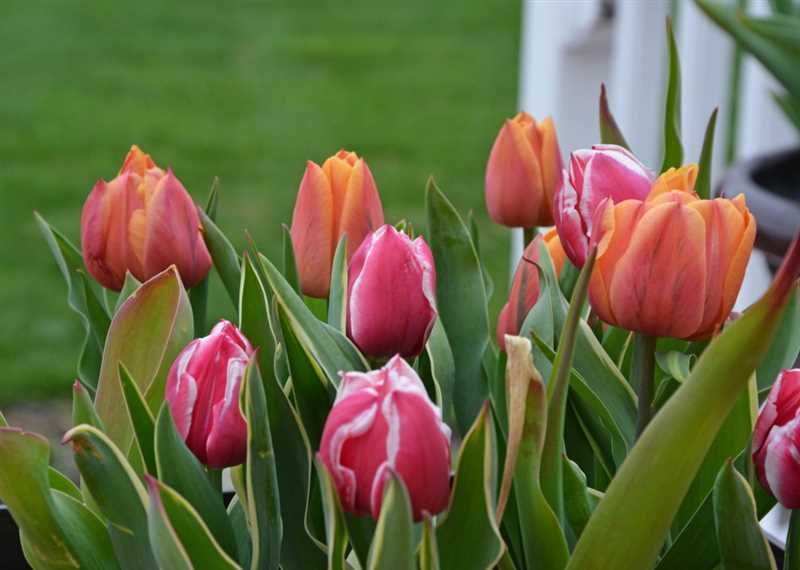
[246, 91]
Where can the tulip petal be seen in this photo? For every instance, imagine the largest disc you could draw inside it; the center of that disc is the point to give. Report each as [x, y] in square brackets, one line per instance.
[570, 224]
[173, 234]
[312, 232]
[361, 211]
[227, 438]
[782, 463]
[658, 284]
[552, 168]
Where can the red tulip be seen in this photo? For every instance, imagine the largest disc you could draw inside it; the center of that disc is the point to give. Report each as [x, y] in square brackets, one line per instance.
[391, 294]
[776, 440]
[383, 420]
[604, 171]
[338, 198]
[525, 285]
[142, 221]
[523, 172]
[203, 394]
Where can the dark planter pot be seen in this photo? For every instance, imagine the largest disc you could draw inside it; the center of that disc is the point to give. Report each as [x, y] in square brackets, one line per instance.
[771, 184]
[10, 549]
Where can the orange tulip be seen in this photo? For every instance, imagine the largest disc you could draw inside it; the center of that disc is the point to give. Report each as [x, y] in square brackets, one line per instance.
[670, 265]
[142, 221]
[523, 173]
[339, 198]
[525, 285]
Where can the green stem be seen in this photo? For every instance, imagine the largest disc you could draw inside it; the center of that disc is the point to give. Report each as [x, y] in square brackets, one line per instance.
[644, 352]
[527, 236]
[215, 477]
[791, 556]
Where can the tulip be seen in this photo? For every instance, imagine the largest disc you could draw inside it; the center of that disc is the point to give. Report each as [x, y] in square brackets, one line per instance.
[339, 198]
[604, 171]
[525, 285]
[523, 172]
[383, 420]
[203, 395]
[671, 265]
[143, 221]
[391, 304]
[776, 440]
[682, 179]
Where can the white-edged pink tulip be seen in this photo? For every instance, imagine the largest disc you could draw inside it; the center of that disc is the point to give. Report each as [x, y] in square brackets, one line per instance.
[604, 171]
[776, 440]
[391, 305]
[384, 421]
[202, 392]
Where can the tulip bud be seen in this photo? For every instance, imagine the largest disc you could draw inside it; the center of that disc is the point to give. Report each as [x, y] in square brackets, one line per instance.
[776, 440]
[682, 179]
[203, 395]
[383, 420]
[604, 171]
[525, 285]
[339, 198]
[142, 221]
[523, 172]
[391, 294]
[671, 265]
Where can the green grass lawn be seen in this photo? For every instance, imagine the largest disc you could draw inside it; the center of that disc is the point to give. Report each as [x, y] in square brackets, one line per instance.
[247, 91]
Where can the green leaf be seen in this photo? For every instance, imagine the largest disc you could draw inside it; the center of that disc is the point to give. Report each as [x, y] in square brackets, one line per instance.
[472, 504]
[792, 552]
[289, 264]
[552, 472]
[335, 524]
[577, 503]
[703, 184]
[263, 502]
[60, 482]
[83, 411]
[313, 393]
[785, 346]
[317, 339]
[692, 546]
[790, 106]
[180, 469]
[543, 540]
[24, 488]
[741, 542]
[360, 531]
[441, 369]
[673, 148]
[676, 364]
[253, 315]
[96, 310]
[488, 284]
[630, 524]
[129, 287]
[337, 299]
[226, 260]
[84, 532]
[291, 445]
[393, 543]
[141, 418]
[610, 133]
[241, 529]
[461, 300]
[118, 493]
[69, 261]
[177, 531]
[782, 63]
[146, 335]
[428, 549]
[198, 295]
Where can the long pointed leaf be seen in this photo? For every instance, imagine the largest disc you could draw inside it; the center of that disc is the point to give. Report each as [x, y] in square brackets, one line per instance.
[673, 147]
[393, 543]
[703, 185]
[610, 133]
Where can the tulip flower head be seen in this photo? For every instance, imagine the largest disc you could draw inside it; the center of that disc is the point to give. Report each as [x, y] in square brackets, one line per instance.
[391, 294]
[604, 171]
[383, 420]
[670, 265]
[142, 221]
[338, 198]
[776, 440]
[523, 172]
[525, 285]
[202, 392]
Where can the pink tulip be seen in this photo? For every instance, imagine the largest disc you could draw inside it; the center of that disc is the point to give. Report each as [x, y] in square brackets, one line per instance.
[203, 394]
[601, 172]
[142, 221]
[383, 420]
[391, 292]
[776, 440]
